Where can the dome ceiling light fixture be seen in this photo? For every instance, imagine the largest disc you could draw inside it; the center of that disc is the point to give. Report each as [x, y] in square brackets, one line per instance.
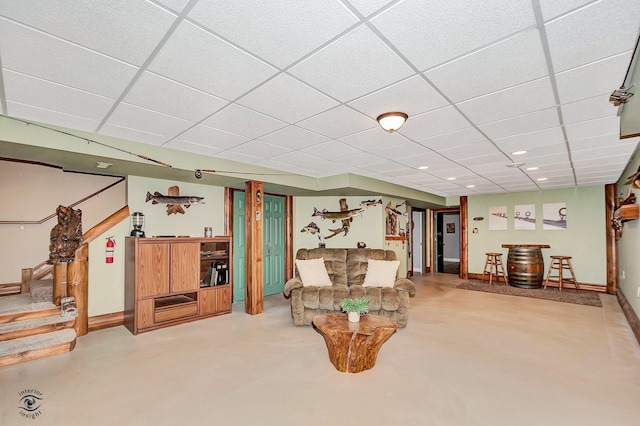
[392, 121]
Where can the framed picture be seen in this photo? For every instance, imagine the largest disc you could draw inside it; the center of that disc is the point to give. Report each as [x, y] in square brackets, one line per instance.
[451, 228]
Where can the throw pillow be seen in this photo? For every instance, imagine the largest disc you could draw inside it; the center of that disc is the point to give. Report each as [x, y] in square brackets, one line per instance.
[313, 272]
[381, 273]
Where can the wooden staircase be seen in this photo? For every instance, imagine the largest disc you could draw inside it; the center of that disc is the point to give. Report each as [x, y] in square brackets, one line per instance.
[31, 323]
[31, 329]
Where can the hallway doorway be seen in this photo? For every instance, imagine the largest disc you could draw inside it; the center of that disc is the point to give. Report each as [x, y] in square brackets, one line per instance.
[447, 241]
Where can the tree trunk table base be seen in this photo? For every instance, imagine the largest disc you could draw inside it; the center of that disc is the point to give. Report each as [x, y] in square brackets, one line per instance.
[353, 346]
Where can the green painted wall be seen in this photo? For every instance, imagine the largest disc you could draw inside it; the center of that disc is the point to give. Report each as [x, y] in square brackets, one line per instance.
[584, 239]
[629, 244]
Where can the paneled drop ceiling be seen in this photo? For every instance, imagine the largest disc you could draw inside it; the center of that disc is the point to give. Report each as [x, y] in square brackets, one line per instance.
[296, 86]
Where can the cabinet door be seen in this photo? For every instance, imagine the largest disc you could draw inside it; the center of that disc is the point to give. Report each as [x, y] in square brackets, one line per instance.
[153, 269]
[185, 266]
[223, 298]
[207, 301]
[145, 313]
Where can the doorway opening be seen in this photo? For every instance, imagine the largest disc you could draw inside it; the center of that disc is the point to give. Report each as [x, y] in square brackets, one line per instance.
[447, 241]
[419, 248]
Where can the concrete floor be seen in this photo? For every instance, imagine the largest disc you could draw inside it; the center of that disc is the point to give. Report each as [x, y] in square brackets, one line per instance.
[466, 358]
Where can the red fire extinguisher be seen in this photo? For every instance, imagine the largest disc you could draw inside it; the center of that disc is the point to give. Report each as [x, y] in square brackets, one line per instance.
[110, 247]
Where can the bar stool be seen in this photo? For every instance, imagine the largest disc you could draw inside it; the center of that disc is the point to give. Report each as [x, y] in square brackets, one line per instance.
[561, 263]
[494, 267]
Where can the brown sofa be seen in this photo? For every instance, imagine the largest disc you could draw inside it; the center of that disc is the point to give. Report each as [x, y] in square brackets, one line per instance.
[347, 269]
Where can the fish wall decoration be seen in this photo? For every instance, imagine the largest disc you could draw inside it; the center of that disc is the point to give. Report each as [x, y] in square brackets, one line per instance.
[341, 215]
[174, 200]
[312, 229]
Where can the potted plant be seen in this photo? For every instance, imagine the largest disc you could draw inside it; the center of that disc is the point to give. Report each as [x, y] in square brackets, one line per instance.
[355, 307]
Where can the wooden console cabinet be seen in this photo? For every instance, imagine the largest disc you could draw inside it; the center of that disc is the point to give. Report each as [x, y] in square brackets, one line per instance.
[170, 281]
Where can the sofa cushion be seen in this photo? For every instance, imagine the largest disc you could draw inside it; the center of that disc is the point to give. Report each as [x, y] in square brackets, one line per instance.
[381, 273]
[335, 262]
[358, 261]
[313, 272]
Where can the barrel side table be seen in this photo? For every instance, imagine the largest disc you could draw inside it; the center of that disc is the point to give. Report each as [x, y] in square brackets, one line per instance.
[525, 265]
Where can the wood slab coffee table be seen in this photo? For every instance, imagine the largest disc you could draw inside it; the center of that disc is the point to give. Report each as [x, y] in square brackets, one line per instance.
[353, 346]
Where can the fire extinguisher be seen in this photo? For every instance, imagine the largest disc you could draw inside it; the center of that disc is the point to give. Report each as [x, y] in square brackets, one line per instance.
[110, 247]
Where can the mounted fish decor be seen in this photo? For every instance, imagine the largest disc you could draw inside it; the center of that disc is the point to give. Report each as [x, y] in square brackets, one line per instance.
[345, 215]
[312, 229]
[370, 203]
[174, 200]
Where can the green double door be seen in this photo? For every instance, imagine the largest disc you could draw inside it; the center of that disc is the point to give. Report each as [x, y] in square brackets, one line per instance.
[273, 250]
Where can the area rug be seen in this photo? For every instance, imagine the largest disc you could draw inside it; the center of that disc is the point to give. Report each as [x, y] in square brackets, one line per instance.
[580, 297]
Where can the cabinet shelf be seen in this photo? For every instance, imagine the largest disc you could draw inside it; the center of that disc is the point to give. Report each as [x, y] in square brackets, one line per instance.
[627, 212]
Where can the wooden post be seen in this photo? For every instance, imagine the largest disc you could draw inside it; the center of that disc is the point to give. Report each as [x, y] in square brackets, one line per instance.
[464, 238]
[254, 297]
[25, 282]
[59, 281]
[78, 287]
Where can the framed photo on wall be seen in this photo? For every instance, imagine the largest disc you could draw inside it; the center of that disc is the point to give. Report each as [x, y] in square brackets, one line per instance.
[451, 228]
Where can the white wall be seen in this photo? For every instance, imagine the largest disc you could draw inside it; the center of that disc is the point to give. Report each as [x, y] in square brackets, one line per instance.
[32, 192]
[368, 227]
[584, 239]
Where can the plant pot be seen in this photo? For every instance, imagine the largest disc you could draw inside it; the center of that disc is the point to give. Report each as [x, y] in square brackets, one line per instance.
[354, 317]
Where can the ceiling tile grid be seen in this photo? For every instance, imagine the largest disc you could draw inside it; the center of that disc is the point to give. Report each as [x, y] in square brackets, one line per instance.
[296, 87]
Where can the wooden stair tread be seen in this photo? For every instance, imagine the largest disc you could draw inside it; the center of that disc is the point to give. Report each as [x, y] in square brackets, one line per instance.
[31, 327]
[40, 341]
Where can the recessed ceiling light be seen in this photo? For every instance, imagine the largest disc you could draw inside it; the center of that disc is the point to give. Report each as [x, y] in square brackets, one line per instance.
[515, 165]
[423, 167]
[533, 168]
[102, 165]
[541, 179]
[518, 152]
[471, 186]
[451, 178]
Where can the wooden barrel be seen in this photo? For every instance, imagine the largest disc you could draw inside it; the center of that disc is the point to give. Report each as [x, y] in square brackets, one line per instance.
[525, 267]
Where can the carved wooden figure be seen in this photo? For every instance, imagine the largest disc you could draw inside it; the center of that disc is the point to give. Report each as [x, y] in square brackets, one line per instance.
[66, 236]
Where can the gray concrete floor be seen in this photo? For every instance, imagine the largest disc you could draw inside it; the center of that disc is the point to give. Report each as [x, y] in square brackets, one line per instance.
[465, 358]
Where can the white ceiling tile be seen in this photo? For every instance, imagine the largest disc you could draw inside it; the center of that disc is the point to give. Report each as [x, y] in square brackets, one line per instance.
[278, 32]
[483, 159]
[123, 29]
[259, 149]
[344, 121]
[135, 135]
[294, 138]
[298, 159]
[388, 168]
[393, 151]
[574, 42]
[331, 150]
[31, 91]
[405, 173]
[176, 5]
[487, 71]
[133, 117]
[498, 166]
[36, 54]
[411, 96]
[239, 157]
[552, 8]
[195, 148]
[528, 141]
[593, 79]
[18, 110]
[558, 155]
[588, 109]
[160, 94]
[296, 100]
[610, 159]
[367, 7]
[589, 129]
[360, 159]
[525, 123]
[374, 139]
[191, 50]
[243, 121]
[587, 154]
[356, 64]
[214, 138]
[467, 151]
[430, 33]
[522, 99]
[463, 137]
[432, 160]
[438, 122]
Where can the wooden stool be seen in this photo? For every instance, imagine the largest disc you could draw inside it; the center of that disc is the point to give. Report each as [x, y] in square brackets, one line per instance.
[561, 263]
[493, 266]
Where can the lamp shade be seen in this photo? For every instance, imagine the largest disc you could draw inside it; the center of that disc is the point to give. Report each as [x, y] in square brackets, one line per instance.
[392, 121]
